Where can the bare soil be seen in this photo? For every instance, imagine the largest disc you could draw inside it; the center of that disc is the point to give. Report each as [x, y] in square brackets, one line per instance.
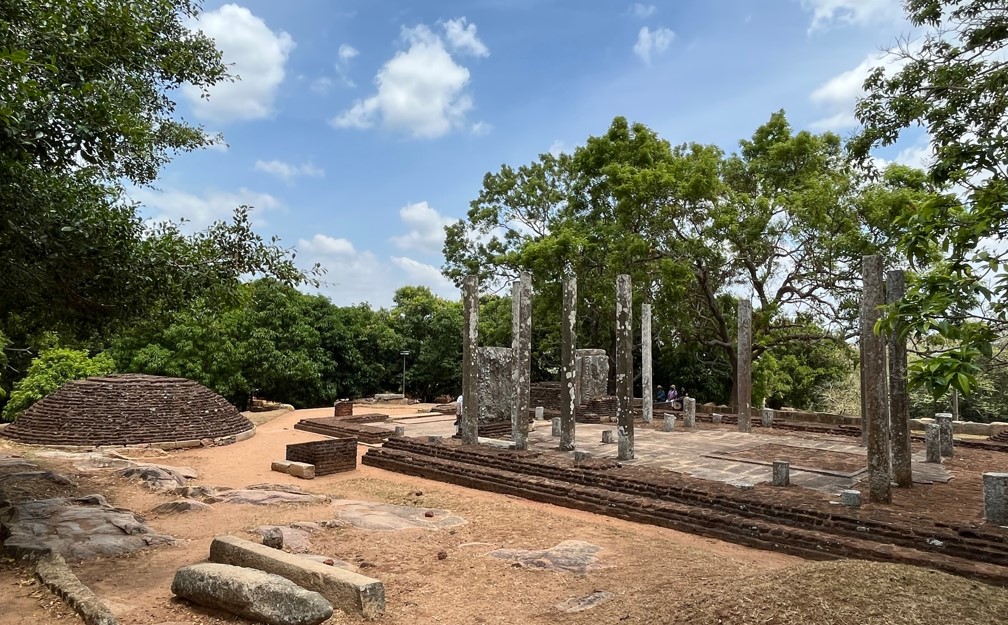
[655, 575]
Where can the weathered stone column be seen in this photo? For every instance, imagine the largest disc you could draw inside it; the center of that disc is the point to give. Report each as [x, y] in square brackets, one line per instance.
[743, 382]
[767, 417]
[521, 347]
[689, 408]
[995, 494]
[944, 420]
[899, 403]
[861, 370]
[469, 429]
[568, 340]
[624, 367]
[647, 380]
[955, 404]
[781, 473]
[932, 443]
[879, 488]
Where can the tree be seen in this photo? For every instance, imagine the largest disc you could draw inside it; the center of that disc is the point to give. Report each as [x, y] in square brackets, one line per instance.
[784, 220]
[952, 83]
[86, 108]
[52, 369]
[431, 329]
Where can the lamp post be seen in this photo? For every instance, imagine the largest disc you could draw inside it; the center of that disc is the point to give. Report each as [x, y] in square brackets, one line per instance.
[404, 353]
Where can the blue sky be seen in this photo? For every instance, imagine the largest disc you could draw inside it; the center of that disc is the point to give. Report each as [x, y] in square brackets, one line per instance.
[360, 128]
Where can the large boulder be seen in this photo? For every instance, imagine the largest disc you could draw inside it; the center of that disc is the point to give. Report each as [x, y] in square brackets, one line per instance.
[253, 594]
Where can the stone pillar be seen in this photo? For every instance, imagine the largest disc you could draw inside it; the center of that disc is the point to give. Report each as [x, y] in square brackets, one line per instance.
[899, 403]
[539, 413]
[557, 429]
[767, 417]
[955, 404]
[607, 436]
[647, 381]
[568, 340]
[715, 418]
[995, 494]
[743, 382]
[669, 424]
[781, 473]
[861, 370]
[521, 346]
[932, 443]
[400, 430]
[944, 420]
[689, 409]
[469, 428]
[624, 367]
[876, 401]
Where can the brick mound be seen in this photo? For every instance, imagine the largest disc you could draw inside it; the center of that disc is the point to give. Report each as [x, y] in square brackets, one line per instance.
[786, 520]
[128, 409]
[339, 427]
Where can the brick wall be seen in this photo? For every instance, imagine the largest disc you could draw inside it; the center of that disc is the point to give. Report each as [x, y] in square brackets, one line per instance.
[329, 456]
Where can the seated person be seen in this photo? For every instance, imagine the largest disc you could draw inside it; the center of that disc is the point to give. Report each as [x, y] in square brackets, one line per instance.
[660, 395]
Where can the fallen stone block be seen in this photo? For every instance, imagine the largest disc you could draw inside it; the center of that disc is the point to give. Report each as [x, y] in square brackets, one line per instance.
[346, 591]
[253, 594]
[281, 466]
[302, 470]
[55, 575]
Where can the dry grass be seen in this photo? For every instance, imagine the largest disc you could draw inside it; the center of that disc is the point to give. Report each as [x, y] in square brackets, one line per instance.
[851, 592]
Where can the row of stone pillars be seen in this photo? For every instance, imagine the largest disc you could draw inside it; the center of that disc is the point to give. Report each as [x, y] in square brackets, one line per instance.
[885, 418]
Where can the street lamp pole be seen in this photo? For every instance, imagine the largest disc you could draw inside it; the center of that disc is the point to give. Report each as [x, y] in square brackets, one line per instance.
[404, 354]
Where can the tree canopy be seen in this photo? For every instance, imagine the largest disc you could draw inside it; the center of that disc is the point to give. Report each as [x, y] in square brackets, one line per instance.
[951, 81]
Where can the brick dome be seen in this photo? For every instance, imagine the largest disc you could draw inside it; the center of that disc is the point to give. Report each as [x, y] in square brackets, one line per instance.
[129, 409]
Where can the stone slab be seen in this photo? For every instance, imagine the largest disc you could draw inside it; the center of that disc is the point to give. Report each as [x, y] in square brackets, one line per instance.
[347, 591]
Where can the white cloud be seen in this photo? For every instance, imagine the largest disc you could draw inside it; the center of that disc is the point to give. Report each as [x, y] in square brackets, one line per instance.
[651, 42]
[642, 10]
[253, 52]
[347, 52]
[328, 246]
[421, 91]
[826, 13]
[352, 276]
[287, 172]
[557, 148]
[840, 93]
[426, 228]
[426, 275]
[480, 129]
[322, 85]
[201, 210]
[462, 37]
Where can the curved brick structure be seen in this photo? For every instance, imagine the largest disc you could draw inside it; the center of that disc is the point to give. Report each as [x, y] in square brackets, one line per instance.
[129, 409]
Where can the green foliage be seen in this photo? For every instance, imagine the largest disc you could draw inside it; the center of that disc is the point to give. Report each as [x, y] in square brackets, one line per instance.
[431, 329]
[783, 219]
[50, 370]
[85, 109]
[952, 83]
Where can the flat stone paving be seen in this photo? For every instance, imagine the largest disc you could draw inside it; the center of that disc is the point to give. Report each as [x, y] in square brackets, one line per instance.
[690, 452]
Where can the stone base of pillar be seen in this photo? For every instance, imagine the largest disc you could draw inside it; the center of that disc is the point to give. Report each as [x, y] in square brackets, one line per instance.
[400, 430]
[608, 436]
[716, 418]
[768, 417]
[669, 424]
[781, 473]
[556, 426]
[932, 442]
[539, 411]
[850, 498]
[995, 493]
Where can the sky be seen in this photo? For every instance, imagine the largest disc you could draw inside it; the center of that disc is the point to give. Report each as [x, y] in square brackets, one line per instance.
[359, 128]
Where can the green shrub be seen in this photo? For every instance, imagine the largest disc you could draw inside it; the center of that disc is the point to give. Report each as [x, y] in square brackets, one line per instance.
[50, 370]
